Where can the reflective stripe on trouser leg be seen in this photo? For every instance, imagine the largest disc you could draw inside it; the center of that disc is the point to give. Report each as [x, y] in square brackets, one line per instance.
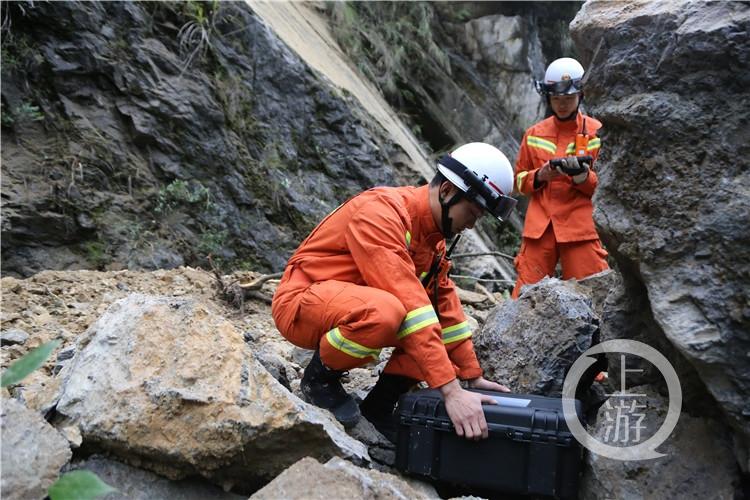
[352, 322]
[349, 347]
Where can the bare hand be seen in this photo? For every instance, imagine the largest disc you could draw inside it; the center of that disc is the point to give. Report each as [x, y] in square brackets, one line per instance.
[546, 173]
[487, 385]
[465, 410]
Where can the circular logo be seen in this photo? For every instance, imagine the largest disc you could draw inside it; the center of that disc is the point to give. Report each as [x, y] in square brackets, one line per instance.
[641, 451]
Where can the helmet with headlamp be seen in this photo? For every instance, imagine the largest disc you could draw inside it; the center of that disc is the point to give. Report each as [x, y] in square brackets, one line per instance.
[564, 76]
[483, 174]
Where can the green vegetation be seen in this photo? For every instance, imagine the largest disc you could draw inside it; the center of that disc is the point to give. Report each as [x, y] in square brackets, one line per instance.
[181, 193]
[212, 241]
[79, 485]
[17, 49]
[238, 104]
[195, 35]
[390, 42]
[96, 253]
[23, 114]
[504, 235]
[27, 363]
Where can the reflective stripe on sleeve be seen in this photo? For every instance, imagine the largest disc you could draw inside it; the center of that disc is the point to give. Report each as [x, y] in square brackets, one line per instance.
[456, 332]
[416, 320]
[519, 179]
[408, 239]
[595, 143]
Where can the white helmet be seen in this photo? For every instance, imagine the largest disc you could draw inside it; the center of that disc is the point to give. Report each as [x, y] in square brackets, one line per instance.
[563, 76]
[484, 174]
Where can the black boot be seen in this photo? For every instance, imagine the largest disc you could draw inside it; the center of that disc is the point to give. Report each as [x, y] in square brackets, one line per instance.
[320, 386]
[379, 404]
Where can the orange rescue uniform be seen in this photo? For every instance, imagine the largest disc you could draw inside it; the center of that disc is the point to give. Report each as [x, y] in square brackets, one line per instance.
[559, 221]
[353, 287]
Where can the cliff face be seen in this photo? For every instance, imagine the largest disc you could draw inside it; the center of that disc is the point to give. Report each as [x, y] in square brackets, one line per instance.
[147, 136]
[150, 135]
[669, 80]
[459, 71]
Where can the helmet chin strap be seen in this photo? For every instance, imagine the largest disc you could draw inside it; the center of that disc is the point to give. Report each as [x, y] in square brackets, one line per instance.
[445, 206]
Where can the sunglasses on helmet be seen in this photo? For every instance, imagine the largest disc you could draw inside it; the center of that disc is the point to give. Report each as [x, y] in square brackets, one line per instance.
[562, 87]
[497, 204]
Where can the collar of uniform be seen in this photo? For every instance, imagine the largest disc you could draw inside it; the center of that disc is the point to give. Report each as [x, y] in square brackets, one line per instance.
[569, 125]
[426, 229]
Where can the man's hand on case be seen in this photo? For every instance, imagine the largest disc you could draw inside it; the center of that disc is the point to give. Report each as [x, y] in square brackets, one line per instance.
[487, 385]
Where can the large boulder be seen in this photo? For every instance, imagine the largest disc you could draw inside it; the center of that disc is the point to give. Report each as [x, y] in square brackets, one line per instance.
[170, 386]
[530, 343]
[669, 80]
[33, 452]
[310, 480]
[697, 461]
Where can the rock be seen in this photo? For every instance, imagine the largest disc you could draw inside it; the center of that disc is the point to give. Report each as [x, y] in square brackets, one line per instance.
[472, 298]
[302, 356]
[507, 47]
[698, 462]
[13, 337]
[72, 433]
[530, 343]
[309, 480]
[32, 453]
[170, 386]
[359, 381]
[483, 266]
[380, 449]
[39, 392]
[279, 368]
[63, 357]
[627, 315]
[598, 287]
[669, 81]
[137, 484]
[266, 146]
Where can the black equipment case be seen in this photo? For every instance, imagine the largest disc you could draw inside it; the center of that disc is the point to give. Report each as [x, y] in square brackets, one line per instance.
[529, 451]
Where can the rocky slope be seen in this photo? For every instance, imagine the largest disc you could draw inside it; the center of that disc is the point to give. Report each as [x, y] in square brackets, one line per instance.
[149, 135]
[171, 382]
[674, 193]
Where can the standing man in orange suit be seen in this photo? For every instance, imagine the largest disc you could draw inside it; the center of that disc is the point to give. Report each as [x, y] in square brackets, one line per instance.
[559, 223]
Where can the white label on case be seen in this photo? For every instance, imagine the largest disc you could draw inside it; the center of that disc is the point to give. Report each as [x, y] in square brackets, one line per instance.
[519, 403]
